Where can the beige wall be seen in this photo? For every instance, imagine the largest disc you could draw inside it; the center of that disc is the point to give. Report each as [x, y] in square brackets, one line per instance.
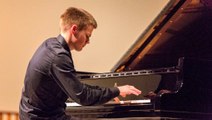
[24, 24]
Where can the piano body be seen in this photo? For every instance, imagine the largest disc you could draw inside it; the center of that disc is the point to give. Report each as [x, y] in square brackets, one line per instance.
[173, 54]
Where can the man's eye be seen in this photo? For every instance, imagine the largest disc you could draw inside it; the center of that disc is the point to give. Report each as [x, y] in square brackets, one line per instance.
[87, 37]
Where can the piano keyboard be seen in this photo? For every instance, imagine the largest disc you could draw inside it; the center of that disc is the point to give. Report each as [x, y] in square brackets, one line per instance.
[142, 101]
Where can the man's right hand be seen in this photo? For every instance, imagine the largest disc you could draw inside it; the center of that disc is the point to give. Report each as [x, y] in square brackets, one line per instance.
[128, 90]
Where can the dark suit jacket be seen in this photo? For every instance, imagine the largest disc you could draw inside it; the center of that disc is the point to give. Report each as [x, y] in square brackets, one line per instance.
[50, 79]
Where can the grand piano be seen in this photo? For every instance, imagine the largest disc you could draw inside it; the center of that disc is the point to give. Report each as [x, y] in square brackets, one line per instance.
[171, 62]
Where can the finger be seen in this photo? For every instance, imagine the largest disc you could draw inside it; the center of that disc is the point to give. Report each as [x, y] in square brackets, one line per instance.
[116, 99]
[123, 95]
[135, 90]
[135, 93]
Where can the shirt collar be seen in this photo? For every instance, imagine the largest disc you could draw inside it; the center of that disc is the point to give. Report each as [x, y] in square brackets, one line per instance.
[63, 42]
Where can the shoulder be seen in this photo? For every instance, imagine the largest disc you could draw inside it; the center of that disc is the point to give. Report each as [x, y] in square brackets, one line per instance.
[55, 46]
[62, 57]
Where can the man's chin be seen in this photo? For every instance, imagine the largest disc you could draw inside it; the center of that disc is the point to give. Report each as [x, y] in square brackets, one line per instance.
[78, 50]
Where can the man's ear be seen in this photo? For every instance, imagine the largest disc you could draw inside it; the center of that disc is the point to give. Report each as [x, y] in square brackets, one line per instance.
[74, 29]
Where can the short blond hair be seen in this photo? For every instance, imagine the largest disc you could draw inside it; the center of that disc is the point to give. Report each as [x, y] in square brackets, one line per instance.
[76, 16]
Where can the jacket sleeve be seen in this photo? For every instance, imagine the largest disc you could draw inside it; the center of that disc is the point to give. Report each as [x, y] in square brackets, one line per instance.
[63, 73]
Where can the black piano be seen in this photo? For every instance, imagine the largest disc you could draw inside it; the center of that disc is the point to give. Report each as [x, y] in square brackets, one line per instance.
[171, 62]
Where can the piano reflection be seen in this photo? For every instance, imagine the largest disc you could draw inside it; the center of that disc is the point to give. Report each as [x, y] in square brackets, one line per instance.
[171, 62]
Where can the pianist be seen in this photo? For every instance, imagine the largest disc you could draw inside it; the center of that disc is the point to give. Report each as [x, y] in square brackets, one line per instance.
[50, 78]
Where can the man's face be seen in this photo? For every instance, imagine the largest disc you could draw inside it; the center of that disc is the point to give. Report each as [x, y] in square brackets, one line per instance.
[82, 38]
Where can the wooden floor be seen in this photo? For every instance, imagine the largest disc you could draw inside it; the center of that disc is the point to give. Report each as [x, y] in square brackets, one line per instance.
[4, 115]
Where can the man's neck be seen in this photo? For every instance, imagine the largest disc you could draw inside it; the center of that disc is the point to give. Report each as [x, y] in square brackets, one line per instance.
[66, 37]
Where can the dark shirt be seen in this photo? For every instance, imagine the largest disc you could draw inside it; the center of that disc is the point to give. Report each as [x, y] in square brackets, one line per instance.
[50, 79]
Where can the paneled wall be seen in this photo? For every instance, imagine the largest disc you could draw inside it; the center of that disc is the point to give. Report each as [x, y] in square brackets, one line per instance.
[8, 115]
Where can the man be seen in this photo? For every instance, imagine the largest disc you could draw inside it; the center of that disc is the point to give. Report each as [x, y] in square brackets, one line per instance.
[50, 78]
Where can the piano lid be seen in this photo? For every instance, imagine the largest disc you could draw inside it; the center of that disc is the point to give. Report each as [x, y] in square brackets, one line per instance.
[182, 29]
